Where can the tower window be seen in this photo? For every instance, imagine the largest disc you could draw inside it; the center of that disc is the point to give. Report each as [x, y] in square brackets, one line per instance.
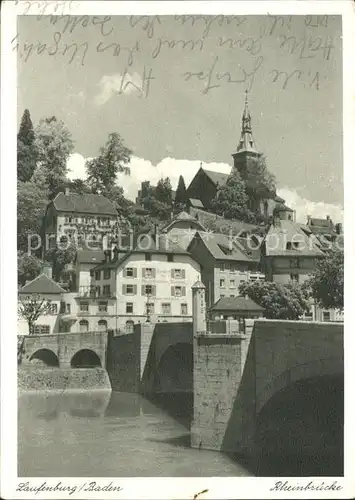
[251, 143]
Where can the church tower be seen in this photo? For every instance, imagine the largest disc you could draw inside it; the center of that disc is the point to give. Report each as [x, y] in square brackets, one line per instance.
[246, 146]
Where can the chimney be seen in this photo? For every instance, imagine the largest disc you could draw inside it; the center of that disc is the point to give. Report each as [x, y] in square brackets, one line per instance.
[67, 191]
[107, 254]
[328, 217]
[47, 270]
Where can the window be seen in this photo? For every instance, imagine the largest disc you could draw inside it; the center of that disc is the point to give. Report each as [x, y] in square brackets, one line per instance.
[178, 291]
[148, 256]
[84, 306]
[148, 272]
[107, 274]
[292, 245]
[221, 283]
[129, 307]
[103, 306]
[232, 283]
[42, 330]
[326, 315]
[129, 272]
[98, 291]
[221, 296]
[53, 309]
[178, 273]
[68, 308]
[149, 308]
[184, 309]
[170, 257]
[129, 326]
[148, 289]
[232, 296]
[83, 326]
[222, 266]
[308, 317]
[102, 324]
[166, 308]
[129, 289]
[97, 275]
[106, 290]
[295, 262]
[295, 278]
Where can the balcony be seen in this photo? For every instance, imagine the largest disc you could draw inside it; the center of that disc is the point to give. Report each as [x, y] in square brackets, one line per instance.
[93, 294]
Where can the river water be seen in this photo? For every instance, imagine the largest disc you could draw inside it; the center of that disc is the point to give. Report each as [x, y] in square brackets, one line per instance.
[104, 434]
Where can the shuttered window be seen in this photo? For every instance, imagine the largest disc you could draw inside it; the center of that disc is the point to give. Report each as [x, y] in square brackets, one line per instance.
[149, 290]
[178, 291]
[178, 274]
[129, 289]
[130, 272]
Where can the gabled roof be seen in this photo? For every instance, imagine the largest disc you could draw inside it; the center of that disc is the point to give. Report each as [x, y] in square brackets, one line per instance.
[216, 177]
[183, 216]
[41, 285]
[89, 256]
[287, 231]
[225, 225]
[84, 203]
[236, 304]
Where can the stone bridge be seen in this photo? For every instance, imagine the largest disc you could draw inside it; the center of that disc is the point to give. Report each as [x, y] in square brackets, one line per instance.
[279, 387]
[66, 350]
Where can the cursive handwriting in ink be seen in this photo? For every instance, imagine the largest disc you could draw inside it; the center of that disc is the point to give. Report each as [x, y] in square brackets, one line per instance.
[212, 77]
[127, 84]
[172, 44]
[147, 23]
[209, 21]
[297, 73]
[308, 45]
[117, 49]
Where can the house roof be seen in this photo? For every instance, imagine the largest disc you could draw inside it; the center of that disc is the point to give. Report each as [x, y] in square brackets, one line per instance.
[84, 203]
[225, 225]
[236, 304]
[89, 256]
[221, 247]
[196, 203]
[183, 216]
[41, 285]
[321, 226]
[287, 231]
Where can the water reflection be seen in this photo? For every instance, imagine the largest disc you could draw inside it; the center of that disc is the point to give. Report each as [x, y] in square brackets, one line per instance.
[106, 434]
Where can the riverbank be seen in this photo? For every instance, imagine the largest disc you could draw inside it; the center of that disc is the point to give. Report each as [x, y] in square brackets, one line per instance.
[57, 380]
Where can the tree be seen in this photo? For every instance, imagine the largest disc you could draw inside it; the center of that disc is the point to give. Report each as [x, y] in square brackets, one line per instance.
[31, 205]
[231, 200]
[28, 267]
[327, 283]
[102, 170]
[59, 258]
[258, 178]
[26, 148]
[79, 186]
[181, 194]
[31, 308]
[279, 301]
[163, 192]
[54, 145]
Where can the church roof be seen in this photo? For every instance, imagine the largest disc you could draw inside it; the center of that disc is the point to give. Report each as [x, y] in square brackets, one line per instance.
[216, 177]
[41, 285]
[196, 203]
[246, 142]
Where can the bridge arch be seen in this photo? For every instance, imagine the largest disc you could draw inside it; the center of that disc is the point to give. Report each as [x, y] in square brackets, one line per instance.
[44, 357]
[85, 358]
[316, 368]
[174, 369]
[299, 431]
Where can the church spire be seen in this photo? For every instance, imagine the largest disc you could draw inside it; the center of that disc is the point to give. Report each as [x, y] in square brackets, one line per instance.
[246, 142]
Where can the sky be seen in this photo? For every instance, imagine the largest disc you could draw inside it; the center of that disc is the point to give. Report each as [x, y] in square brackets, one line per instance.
[174, 89]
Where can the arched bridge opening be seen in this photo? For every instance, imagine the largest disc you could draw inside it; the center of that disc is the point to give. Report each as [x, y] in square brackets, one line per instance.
[44, 358]
[299, 431]
[85, 358]
[173, 382]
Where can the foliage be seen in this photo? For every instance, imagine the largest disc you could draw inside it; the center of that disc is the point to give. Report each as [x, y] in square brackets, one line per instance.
[31, 308]
[54, 145]
[259, 179]
[279, 301]
[156, 208]
[31, 205]
[28, 267]
[78, 186]
[181, 193]
[163, 192]
[60, 257]
[231, 200]
[327, 283]
[26, 148]
[102, 170]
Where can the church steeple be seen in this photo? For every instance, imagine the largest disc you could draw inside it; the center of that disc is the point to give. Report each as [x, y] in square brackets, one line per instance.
[246, 142]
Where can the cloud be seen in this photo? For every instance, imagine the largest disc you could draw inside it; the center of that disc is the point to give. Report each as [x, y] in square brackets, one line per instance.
[115, 84]
[142, 170]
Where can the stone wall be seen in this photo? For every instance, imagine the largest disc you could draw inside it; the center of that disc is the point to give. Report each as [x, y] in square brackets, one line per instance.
[57, 379]
[123, 361]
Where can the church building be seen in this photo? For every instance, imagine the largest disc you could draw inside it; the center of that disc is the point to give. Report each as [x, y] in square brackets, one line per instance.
[246, 158]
